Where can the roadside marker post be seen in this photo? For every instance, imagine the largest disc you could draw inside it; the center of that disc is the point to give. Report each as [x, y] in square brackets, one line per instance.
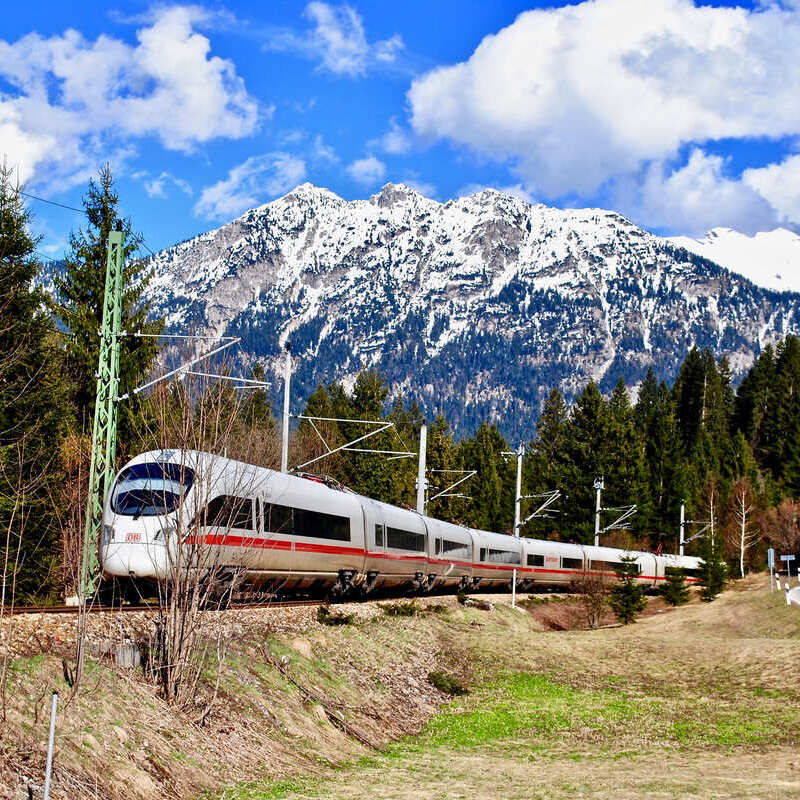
[788, 559]
[771, 567]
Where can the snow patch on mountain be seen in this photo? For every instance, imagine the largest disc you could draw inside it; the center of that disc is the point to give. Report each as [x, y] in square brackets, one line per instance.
[477, 306]
[770, 259]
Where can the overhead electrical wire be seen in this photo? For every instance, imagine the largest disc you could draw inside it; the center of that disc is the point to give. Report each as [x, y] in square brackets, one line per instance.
[73, 208]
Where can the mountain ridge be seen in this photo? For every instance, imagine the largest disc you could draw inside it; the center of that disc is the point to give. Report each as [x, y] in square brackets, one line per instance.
[476, 306]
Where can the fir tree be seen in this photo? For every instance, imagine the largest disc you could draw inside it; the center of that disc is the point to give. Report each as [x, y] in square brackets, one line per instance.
[31, 408]
[713, 571]
[674, 589]
[492, 505]
[257, 408]
[79, 293]
[627, 596]
[442, 456]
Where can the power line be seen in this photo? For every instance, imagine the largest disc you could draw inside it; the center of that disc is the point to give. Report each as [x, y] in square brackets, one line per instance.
[79, 210]
[53, 203]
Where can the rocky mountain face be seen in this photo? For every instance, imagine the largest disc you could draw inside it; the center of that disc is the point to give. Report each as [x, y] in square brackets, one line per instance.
[477, 307]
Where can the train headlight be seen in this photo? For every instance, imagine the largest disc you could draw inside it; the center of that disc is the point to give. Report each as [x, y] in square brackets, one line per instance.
[108, 534]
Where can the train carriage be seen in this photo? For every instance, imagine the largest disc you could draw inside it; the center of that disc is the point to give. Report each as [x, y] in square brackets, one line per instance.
[173, 509]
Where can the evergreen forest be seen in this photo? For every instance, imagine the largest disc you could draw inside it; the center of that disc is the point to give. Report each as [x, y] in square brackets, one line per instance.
[729, 455]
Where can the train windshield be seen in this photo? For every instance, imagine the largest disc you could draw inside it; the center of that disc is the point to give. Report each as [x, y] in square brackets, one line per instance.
[150, 489]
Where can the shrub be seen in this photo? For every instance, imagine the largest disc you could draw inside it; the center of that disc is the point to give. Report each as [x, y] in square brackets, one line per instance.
[675, 591]
[448, 684]
[627, 596]
[403, 608]
[327, 617]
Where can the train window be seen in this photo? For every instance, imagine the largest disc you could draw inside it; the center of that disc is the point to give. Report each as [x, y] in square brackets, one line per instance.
[277, 519]
[503, 557]
[321, 525]
[150, 489]
[456, 549]
[691, 573]
[227, 511]
[438, 549]
[483, 554]
[404, 540]
[571, 563]
[379, 535]
[604, 566]
[535, 560]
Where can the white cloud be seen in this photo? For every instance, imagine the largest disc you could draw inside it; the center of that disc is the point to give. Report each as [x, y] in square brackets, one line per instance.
[576, 96]
[396, 140]
[367, 171]
[74, 100]
[247, 185]
[337, 40]
[323, 152]
[780, 185]
[156, 187]
[425, 188]
[695, 198]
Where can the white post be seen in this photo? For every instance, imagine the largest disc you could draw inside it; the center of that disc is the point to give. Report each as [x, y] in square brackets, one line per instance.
[423, 446]
[517, 503]
[287, 379]
[50, 745]
[683, 529]
[598, 484]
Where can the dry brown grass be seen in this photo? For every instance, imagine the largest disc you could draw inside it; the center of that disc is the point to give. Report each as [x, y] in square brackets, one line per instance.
[701, 701]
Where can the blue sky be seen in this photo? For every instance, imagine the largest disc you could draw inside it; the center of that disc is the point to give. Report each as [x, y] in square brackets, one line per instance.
[683, 116]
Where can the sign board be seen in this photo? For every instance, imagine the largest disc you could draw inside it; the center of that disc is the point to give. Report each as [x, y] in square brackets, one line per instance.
[771, 558]
[787, 558]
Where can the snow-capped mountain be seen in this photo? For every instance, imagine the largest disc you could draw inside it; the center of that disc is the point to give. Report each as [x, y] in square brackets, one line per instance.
[476, 307]
[770, 259]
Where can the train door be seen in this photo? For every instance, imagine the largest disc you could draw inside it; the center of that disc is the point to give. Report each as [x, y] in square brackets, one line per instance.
[275, 529]
[374, 543]
[648, 569]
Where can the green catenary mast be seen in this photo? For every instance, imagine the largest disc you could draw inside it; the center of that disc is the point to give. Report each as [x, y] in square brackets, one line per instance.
[104, 430]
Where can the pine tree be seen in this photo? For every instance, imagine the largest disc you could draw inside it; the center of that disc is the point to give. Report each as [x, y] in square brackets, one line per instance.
[492, 506]
[586, 456]
[713, 571]
[79, 294]
[627, 596]
[31, 409]
[675, 590]
[666, 468]
[257, 408]
[442, 456]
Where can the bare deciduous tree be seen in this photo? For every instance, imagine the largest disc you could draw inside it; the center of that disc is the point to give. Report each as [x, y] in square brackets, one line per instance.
[593, 586]
[742, 533]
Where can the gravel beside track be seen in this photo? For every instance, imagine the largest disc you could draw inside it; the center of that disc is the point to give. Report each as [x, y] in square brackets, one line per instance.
[128, 609]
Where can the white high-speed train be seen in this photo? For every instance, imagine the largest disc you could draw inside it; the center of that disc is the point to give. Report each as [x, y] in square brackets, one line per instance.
[259, 528]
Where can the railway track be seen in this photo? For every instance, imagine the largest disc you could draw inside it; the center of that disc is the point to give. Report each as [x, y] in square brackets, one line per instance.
[129, 609]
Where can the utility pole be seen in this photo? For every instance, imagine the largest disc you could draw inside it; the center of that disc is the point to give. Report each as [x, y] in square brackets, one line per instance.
[517, 504]
[683, 528]
[104, 429]
[599, 486]
[422, 484]
[287, 379]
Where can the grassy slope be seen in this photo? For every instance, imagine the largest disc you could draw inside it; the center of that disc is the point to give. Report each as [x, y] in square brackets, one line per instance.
[701, 702]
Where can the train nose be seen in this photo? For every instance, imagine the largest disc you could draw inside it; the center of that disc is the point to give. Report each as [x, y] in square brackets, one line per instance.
[142, 560]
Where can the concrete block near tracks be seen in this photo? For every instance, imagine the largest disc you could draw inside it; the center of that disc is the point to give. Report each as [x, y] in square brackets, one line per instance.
[128, 655]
